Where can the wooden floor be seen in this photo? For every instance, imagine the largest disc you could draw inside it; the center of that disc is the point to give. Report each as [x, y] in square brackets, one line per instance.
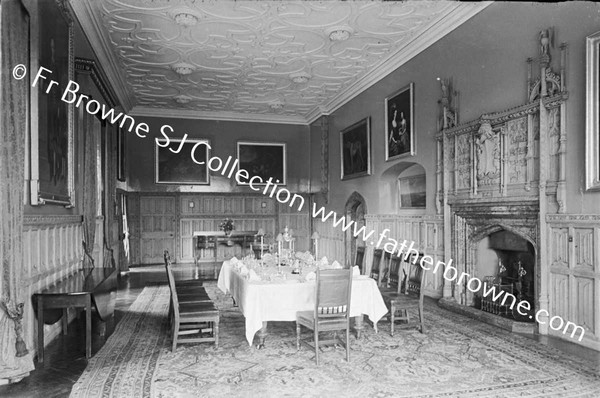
[65, 356]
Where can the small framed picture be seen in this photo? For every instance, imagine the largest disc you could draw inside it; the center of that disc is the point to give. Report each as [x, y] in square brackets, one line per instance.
[399, 116]
[355, 149]
[263, 160]
[174, 163]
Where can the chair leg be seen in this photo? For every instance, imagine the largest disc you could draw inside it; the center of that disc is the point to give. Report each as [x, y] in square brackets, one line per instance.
[392, 319]
[298, 336]
[317, 346]
[348, 343]
[175, 328]
[216, 332]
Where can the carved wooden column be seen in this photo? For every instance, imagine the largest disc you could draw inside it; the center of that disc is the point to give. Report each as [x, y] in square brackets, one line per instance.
[561, 188]
[439, 176]
[543, 177]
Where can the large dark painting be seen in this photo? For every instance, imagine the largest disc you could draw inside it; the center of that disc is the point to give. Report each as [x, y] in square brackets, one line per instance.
[399, 116]
[55, 124]
[264, 160]
[174, 163]
[355, 149]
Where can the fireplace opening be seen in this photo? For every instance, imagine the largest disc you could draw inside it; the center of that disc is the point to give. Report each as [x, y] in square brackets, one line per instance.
[506, 261]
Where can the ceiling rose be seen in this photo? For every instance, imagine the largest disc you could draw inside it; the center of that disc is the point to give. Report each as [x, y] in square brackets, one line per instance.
[182, 99]
[300, 77]
[277, 104]
[184, 16]
[183, 68]
[339, 33]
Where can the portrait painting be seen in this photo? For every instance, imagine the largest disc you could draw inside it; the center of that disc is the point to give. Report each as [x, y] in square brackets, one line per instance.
[53, 161]
[355, 149]
[399, 116]
[174, 163]
[264, 160]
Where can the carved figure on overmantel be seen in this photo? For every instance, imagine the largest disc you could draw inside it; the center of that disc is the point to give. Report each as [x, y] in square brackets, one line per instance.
[545, 41]
[486, 145]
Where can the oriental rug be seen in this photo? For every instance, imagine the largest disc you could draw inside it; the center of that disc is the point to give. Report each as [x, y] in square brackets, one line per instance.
[457, 357]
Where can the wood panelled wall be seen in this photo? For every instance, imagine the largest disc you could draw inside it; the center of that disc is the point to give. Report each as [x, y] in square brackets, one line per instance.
[52, 251]
[574, 242]
[168, 221]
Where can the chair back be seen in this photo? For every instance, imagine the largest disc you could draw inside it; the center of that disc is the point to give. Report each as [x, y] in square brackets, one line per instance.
[334, 287]
[360, 258]
[416, 278]
[171, 279]
[377, 255]
[394, 278]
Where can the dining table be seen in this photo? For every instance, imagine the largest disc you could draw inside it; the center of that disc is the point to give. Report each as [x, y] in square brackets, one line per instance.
[277, 293]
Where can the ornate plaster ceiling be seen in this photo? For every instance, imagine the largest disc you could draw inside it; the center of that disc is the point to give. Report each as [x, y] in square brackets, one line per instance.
[279, 61]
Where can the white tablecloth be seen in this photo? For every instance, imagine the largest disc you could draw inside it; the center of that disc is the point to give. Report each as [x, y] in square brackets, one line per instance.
[262, 301]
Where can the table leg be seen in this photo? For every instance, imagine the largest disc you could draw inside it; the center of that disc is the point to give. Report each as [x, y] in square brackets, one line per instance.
[88, 326]
[358, 325]
[65, 321]
[262, 335]
[40, 318]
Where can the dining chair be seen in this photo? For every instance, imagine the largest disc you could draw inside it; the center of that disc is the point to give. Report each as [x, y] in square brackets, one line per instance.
[379, 265]
[191, 317]
[394, 276]
[360, 259]
[331, 311]
[408, 296]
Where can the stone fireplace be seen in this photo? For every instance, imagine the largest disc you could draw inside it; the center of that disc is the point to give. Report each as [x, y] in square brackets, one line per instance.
[500, 178]
[493, 235]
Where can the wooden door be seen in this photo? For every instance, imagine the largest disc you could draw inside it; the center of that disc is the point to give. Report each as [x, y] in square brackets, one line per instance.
[157, 221]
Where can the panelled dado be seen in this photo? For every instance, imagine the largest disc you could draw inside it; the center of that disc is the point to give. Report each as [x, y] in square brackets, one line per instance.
[167, 221]
[52, 251]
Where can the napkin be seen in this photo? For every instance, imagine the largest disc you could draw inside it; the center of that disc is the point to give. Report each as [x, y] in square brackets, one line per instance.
[336, 265]
[323, 262]
[253, 276]
[234, 260]
[311, 276]
[355, 271]
[243, 270]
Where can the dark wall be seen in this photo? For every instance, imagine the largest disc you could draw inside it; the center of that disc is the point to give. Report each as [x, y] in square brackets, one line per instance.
[223, 137]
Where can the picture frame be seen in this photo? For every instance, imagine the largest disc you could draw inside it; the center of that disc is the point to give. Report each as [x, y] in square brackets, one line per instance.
[121, 151]
[355, 150]
[592, 142]
[412, 193]
[399, 117]
[263, 159]
[51, 144]
[174, 163]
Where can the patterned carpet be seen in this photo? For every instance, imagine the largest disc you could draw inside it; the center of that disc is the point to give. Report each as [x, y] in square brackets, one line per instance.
[458, 357]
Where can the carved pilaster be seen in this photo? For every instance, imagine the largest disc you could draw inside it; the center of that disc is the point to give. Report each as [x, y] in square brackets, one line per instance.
[439, 176]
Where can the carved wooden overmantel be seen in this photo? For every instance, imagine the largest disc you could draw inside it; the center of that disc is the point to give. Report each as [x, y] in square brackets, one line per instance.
[503, 170]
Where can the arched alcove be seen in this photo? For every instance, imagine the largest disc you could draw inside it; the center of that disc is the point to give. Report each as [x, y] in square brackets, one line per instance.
[355, 210]
[403, 186]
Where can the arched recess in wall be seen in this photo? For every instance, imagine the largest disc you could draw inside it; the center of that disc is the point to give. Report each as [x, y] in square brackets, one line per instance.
[403, 186]
[355, 210]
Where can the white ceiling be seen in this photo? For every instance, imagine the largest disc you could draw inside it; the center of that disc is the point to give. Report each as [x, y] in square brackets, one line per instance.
[241, 56]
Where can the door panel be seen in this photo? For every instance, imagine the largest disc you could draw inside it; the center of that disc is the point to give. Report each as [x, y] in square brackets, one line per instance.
[157, 221]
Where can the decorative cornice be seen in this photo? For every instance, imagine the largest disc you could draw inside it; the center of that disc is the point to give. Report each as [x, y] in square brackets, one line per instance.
[573, 217]
[225, 116]
[461, 13]
[102, 49]
[40, 220]
[401, 217]
[89, 66]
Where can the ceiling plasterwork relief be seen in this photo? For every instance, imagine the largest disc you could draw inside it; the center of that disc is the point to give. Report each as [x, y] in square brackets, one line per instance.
[282, 58]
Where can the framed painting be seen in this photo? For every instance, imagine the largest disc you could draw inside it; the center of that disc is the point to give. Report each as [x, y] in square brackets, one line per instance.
[355, 150]
[174, 163]
[263, 159]
[592, 143]
[411, 191]
[51, 145]
[120, 154]
[399, 116]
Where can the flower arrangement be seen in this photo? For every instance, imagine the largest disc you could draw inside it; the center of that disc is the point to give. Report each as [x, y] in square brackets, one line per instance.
[227, 226]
